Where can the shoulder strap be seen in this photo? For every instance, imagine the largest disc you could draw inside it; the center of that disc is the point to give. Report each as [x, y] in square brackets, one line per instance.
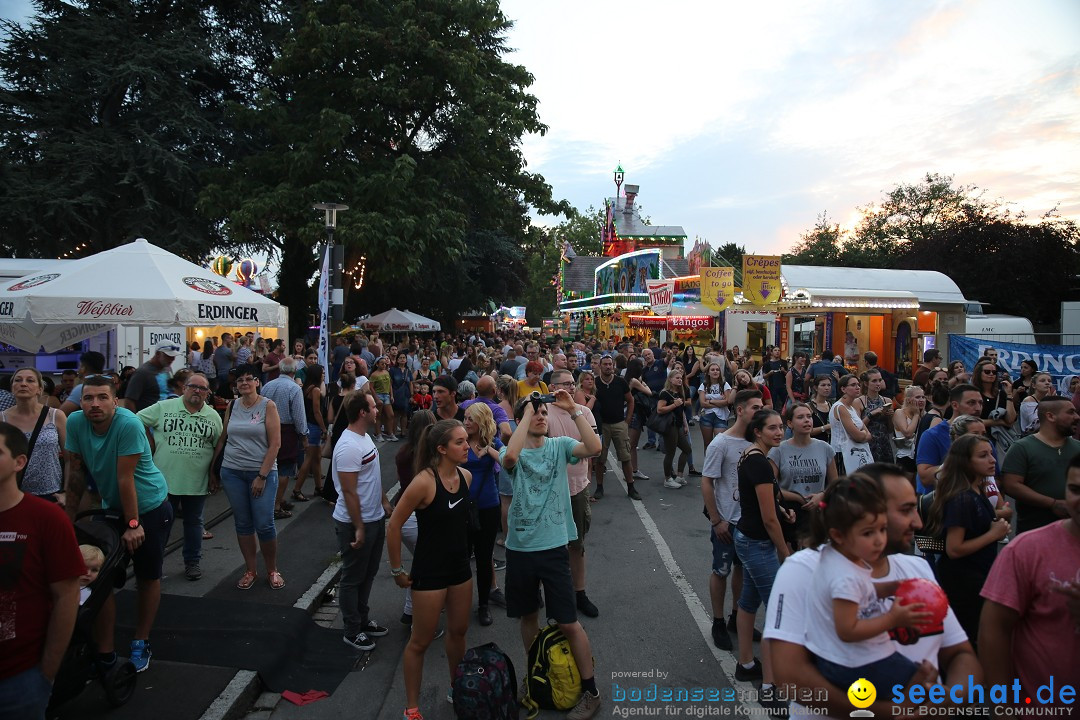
[33, 441]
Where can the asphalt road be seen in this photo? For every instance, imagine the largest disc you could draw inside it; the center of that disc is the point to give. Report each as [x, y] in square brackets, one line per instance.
[648, 572]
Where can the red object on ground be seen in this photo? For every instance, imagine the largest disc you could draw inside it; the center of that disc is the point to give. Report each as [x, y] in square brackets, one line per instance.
[930, 594]
[306, 699]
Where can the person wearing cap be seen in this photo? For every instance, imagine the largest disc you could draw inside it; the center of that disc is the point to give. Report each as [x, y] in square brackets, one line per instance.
[149, 384]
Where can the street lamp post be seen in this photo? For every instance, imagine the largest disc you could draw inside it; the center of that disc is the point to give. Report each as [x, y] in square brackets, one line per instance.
[337, 260]
[618, 182]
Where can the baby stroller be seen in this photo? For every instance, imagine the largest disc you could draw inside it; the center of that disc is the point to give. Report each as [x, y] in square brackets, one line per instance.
[80, 665]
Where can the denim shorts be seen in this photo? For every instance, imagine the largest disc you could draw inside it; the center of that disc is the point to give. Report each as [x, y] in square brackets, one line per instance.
[724, 556]
[314, 437]
[25, 694]
[384, 398]
[709, 420]
[760, 566]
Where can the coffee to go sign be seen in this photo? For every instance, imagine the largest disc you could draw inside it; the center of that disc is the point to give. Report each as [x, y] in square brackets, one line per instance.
[674, 322]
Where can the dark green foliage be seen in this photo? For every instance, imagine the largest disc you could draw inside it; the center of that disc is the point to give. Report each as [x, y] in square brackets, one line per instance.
[1017, 266]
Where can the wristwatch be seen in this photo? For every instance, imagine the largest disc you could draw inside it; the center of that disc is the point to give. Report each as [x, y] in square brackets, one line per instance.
[576, 415]
[133, 523]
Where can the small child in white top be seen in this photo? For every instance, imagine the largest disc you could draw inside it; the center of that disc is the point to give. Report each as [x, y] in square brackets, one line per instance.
[93, 558]
[847, 628]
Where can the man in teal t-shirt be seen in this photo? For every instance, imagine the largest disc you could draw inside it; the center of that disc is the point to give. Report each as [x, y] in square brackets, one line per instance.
[186, 430]
[111, 444]
[540, 525]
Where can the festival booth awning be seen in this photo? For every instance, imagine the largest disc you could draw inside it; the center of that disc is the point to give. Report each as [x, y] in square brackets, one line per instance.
[138, 284]
[824, 299]
[31, 337]
[394, 320]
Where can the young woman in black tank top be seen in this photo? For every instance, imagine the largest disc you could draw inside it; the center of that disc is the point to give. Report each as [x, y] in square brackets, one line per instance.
[441, 575]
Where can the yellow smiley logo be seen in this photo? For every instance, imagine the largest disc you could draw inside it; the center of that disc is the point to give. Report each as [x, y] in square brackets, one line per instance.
[862, 693]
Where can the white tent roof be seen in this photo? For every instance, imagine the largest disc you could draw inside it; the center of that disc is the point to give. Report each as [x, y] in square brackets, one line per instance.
[394, 320]
[135, 284]
[927, 285]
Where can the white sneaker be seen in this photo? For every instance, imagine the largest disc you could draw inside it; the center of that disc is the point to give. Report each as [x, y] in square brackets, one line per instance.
[672, 483]
[681, 479]
[380, 438]
[392, 438]
[638, 475]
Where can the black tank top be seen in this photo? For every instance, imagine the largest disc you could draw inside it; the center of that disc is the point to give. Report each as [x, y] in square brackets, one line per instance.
[442, 532]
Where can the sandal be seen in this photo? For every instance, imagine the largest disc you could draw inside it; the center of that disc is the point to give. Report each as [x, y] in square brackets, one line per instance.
[246, 581]
[299, 496]
[282, 514]
[276, 581]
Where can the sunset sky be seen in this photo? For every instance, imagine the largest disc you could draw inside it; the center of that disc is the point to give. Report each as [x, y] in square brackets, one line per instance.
[742, 121]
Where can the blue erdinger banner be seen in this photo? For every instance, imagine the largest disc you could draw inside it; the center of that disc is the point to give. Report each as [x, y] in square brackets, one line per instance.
[1062, 362]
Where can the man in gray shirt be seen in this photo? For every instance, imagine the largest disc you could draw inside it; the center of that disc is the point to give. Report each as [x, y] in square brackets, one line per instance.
[289, 399]
[223, 362]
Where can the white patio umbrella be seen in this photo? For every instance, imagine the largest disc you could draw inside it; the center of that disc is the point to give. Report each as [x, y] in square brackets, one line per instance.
[394, 320]
[31, 337]
[134, 284]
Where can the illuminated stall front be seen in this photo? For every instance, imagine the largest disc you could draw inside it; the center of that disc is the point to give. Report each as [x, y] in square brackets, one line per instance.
[895, 313]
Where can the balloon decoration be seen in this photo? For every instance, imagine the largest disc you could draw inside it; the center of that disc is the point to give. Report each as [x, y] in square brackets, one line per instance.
[246, 270]
[222, 265]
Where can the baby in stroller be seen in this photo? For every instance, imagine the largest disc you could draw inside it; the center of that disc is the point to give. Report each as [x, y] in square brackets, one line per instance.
[98, 533]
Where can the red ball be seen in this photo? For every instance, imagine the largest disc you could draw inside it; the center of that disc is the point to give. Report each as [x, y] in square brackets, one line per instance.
[932, 597]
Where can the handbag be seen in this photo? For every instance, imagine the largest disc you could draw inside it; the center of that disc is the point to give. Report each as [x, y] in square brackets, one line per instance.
[660, 423]
[928, 543]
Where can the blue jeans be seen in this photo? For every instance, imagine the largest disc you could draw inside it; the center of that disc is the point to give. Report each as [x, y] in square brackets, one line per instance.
[24, 696]
[253, 516]
[760, 566]
[192, 508]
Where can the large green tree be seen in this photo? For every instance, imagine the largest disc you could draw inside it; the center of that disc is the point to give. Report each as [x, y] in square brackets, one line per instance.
[1015, 264]
[110, 111]
[408, 112]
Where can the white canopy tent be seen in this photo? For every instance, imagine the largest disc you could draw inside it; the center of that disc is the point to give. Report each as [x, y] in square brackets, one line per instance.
[138, 284]
[394, 320]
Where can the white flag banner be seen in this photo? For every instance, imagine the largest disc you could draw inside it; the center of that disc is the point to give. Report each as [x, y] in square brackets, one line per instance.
[661, 295]
[324, 313]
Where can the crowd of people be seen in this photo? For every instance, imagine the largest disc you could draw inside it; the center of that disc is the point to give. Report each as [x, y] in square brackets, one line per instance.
[808, 466]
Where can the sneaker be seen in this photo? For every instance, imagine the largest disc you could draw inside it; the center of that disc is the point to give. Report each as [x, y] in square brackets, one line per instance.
[695, 472]
[405, 619]
[192, 572]
[648, 446]
[598, 494]
[585, 605]
[720, 637]
[496, 597]
[777, 708]
[360, 641]
[412, 714]
[587, 706]
[483, 615]
[638, 475]
[681, 479]
[672, 483]
[392, 438]
[499, 564]
[743, 674]
[734, 628]
[633, 494]
[374, 629]
[140, 654]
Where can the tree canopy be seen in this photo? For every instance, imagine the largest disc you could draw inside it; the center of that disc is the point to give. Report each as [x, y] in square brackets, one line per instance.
[1016, 265]
[217, 125]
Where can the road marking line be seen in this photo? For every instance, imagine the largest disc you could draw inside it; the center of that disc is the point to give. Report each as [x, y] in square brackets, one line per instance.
[701, 615]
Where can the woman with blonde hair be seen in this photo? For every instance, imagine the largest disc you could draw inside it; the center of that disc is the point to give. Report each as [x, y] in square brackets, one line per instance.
[484, 446]
[906, 425]
[1042, 387]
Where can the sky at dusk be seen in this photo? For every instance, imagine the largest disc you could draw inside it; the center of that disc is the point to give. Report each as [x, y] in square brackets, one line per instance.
[743, 121]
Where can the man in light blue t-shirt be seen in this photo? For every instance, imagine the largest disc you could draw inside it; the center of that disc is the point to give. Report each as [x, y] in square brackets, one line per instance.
[539, 527]
[110, 443]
